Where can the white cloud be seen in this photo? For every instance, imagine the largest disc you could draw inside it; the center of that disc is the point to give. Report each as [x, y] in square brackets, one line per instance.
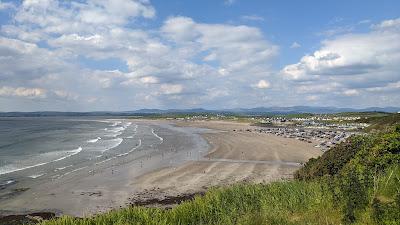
[312, 87]
[353, 68]
[387, 24]
[20, 60]
[222, 42]
[66, 95]
[351, 92]
[149, 80]
[337, 30]
[262, 84]
[106, 79]
[295, 45]
[161, 61]
[170, 89]
[312, 98]
[223, 71]
[6, 91]
[394, 86]
[213, 93]
[75, 16]
[363, 55]
[6, 5]
[180, 29]
[252, 18]
[60, 46]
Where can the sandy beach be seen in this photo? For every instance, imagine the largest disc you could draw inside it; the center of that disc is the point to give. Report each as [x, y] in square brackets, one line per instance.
[235, 156]
[180, 165]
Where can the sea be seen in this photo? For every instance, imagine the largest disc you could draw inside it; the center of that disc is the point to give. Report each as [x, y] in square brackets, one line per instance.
[48, 148]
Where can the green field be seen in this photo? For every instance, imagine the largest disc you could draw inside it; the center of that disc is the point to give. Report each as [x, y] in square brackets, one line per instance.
[356, 182]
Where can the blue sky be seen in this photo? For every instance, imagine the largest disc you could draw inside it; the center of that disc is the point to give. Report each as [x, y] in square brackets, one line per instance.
[284, 22]
[129, 54]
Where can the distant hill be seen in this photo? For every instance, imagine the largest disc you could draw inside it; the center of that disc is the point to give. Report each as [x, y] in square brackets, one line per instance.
[271, 110]
[381, 122]
[311, 109]
[239, 111]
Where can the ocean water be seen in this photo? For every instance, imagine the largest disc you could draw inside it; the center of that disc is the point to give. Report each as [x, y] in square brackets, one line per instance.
[41, 149]
[33, 147]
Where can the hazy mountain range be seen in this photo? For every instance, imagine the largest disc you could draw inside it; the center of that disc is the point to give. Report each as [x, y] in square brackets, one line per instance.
[241, 111]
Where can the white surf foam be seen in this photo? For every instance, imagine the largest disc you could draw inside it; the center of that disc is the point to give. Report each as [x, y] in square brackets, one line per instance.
[117, 129]
[116, 123]
[106, 160]
[72, 171]
[62, 168]
[160, 138]
[7, 183]
[113, 134]
[12, 168]
[117, 141]
[133, 149]
[34, 176]
[134, 132]
[94, 140]
[127, 125]
[73, 152]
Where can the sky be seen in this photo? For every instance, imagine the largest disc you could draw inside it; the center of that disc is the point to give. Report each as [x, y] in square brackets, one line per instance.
[118, 55]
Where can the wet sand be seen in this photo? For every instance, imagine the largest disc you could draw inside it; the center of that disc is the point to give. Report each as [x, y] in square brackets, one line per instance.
[233, 157]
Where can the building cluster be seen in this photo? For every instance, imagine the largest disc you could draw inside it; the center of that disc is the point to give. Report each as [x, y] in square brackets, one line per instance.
[317, 122]
[328, 118]
[340, 126]
[323, 139]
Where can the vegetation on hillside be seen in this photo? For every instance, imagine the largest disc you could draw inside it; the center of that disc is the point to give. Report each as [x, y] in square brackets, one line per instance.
[379, 122]
[370, 152]
[354, 169]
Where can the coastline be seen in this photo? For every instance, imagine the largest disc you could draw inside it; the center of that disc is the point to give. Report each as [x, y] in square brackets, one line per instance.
[169, 184]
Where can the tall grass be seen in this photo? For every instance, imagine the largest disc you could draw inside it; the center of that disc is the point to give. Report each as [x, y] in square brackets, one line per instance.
[291, 202]
[294, 202]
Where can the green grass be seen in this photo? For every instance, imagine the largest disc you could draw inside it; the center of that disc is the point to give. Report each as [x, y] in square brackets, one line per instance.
[369, 152]
[294, 202]
[363, 114]
[381, 122]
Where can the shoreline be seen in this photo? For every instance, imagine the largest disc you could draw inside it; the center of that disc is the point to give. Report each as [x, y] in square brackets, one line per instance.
[249, 160]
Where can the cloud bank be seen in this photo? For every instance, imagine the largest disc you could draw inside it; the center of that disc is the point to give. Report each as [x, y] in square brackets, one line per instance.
[96, 55]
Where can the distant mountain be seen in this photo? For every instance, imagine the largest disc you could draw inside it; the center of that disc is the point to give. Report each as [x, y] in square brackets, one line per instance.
[311, 109]
[386, 109]
[165, 111]
[271, 110]
[241, 111]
